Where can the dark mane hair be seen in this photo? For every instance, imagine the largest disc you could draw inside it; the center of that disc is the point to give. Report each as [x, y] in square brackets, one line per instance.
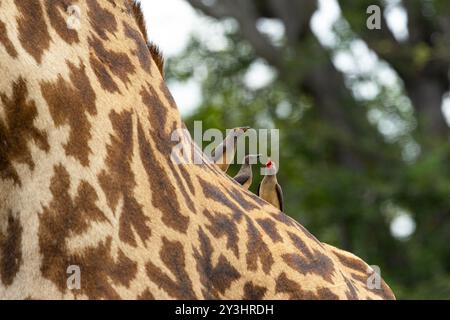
[152, 47]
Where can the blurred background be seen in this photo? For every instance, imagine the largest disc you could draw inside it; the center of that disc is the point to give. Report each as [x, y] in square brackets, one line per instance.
[363, 115]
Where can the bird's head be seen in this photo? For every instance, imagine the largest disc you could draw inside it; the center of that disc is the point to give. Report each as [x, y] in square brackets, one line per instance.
[271, 168]
[252, 158]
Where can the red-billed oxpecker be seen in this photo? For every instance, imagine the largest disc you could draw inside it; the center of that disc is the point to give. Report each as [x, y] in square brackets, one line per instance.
[269, 189]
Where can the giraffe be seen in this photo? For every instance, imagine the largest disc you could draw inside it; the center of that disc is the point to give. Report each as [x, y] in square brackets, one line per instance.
[86, 179]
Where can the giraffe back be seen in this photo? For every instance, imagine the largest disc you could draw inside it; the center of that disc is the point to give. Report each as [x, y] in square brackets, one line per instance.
[87, 179]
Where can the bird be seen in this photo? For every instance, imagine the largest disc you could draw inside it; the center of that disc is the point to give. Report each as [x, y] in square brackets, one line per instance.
[223, 154]
[245, 175]
[269, 189]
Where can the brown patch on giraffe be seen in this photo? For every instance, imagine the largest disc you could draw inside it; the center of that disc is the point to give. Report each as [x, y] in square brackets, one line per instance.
[311, 261]
[118, 181]
[17, 129]
[113, 62]
[58, 20]
[113, 2]
[100, 271]
[157, 117]
[141, 50]
[157, 56]
[215, 279]
[283, 218]
[139, 18]
[291, 288]
[359, 277]
[186, 195]
[187, 178]
[167, 95]
[68, 102]
[6, 41]
[65, 217]
[173, 257]
[146, 295]
[350, 293]
[124, 270]
[296, 292]
[103, 75]
[211, 191]
[163, 193]
[76, 214]
[326, 294]
[101, 20]
[289, 221]
[270, 229]
[11, 250]
[351, 262]
[257, 249]
[253, 292]
[238, 196]
[223, 225]
[33, 32]
[384, 292]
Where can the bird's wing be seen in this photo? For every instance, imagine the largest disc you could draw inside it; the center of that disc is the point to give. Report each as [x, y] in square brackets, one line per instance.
[280, 196]
[241, 178]
[218, 151]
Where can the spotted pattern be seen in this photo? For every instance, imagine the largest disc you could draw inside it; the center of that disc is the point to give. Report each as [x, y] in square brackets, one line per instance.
[11, 250]
[6, 42]
[172, 255]
[66, 217]
[215, 278]
[18, 131]
[119, 173]
[79, 100]
[33, 31]
[57, 14]
[86, 179]
[253, 292]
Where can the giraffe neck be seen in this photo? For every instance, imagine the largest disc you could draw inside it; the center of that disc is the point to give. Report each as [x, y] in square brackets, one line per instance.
[87, 182]
[85, 131]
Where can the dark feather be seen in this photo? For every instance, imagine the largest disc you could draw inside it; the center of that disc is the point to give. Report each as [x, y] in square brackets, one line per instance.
[280, 197]
[241, 179]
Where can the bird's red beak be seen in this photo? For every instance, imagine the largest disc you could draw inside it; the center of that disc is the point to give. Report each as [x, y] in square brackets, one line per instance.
[269, 164]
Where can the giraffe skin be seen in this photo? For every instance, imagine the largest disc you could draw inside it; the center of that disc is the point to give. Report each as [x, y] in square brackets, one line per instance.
[86, 179]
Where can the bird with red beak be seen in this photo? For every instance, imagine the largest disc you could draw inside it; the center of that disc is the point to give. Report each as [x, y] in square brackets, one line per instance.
[223, 154]
[269, 189]
[245, 175]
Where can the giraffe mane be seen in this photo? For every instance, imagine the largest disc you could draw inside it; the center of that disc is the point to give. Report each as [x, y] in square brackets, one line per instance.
[155, 51]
